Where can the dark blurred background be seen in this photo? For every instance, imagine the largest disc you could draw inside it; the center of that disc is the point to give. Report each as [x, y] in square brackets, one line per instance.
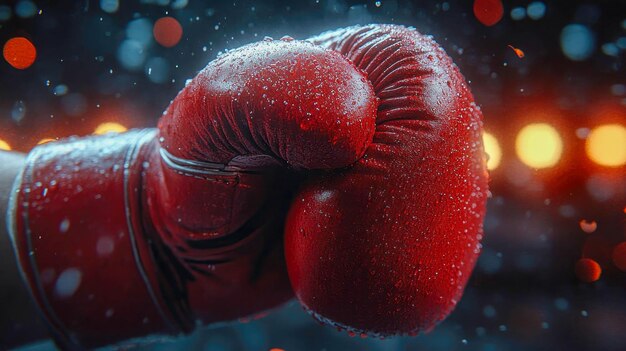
[555, 113]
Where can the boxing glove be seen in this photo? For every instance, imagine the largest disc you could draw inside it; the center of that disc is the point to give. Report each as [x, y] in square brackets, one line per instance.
[387, 245]
[155, 231]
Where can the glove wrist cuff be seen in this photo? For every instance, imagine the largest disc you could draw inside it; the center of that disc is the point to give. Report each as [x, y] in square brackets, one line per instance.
[78, 228]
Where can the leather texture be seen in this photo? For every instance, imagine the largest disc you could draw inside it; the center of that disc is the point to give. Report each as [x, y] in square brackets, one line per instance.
[157, 231]
[386, 246]
[362, 146]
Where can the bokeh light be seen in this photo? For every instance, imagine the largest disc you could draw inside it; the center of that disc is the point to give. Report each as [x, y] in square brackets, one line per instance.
[488, 12]
[588, 226]
[140, 30]
[539, 145]
[493, 150]
[4, 145]
[25, 9]
[518, 13]
[536, 10]
[577, 42]
[167, 31]
[588, 270]
[606, 145]
[45, 140]
[109, 6]
[131, 54]
[106, 65]
[619, 256]
[109, 127]
[158, 70]
[19, 52]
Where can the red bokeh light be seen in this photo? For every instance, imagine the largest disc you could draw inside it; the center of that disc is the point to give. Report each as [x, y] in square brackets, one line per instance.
[167, 31]
[588, 270]
[19, 52]
[488, 12]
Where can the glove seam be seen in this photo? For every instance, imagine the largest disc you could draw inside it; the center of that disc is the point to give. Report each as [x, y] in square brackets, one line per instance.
[58, 330]
[130, 161]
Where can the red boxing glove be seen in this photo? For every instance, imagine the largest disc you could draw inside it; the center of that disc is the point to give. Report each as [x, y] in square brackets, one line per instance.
[387, 246]
[153, 231]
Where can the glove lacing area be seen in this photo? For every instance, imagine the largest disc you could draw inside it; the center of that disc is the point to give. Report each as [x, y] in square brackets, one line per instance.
[200, 169]
[185, 254]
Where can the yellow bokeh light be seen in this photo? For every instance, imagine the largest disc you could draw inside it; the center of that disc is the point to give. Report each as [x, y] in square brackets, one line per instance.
[45, 140]
[606, 145]
[539, 145]
[109, 127]
[4, 145]
[493, 150]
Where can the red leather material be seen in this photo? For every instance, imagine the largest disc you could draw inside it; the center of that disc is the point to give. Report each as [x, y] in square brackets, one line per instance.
[198, 206]
[387, 246]
[154, 231]
[85, 264]
[232, 264]
[251, 111]
[96, 240]
[305, 106]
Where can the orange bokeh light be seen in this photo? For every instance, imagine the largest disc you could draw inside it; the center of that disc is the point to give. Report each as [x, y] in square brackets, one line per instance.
[588, 226]
[167, 31]
[588, 270]
[19, 52]
[539, 145]
[4, 145]
[606, 145]
[45, 140]
[493, 151]
[109, 127]
[488, 12]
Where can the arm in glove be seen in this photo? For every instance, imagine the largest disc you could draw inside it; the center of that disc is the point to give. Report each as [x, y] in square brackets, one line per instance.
[157, 230]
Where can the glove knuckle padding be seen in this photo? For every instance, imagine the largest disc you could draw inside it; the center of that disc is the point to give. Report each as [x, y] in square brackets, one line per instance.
[387, 246]
[294, 101]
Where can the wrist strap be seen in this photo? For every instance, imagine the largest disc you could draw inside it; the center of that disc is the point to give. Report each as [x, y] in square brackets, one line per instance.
[78, 235]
